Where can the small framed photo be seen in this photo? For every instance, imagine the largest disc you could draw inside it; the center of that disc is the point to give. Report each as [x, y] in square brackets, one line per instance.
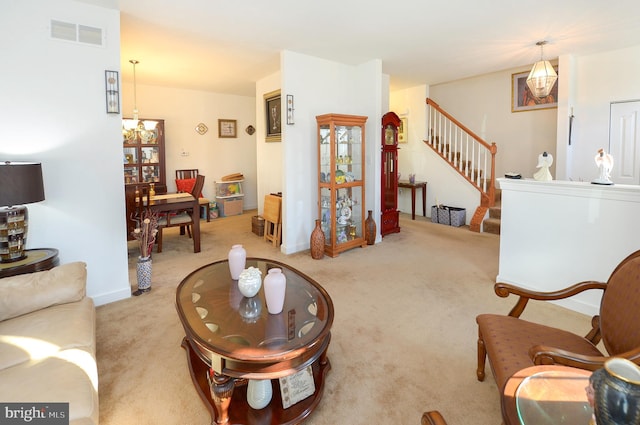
[273, 116]
[402, 131]
[227, 128]
[523, 100]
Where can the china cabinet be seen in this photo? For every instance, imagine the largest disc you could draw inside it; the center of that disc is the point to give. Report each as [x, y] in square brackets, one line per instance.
[341, 181]
[144, 166]
[390, 216]
[143, 154]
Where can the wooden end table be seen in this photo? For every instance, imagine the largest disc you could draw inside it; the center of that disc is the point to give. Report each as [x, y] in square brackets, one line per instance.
[547, 395]
[231, 339]
[413, 186]
[37, 260]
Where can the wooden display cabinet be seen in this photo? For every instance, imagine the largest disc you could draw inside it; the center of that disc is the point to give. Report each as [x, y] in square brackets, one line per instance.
[390, 216]
[341, 181]
[143, 158]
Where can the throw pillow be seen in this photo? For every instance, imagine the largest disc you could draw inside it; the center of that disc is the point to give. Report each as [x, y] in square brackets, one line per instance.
[186, 185]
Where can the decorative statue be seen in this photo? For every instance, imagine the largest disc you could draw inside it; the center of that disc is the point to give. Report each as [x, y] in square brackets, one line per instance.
[545, 160]
[604, 161]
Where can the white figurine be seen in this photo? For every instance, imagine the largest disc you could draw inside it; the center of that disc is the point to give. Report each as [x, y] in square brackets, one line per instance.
[545, 160]
[604, 161]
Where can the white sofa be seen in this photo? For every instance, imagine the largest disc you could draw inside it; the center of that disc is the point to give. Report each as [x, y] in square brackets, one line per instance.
[48, 341]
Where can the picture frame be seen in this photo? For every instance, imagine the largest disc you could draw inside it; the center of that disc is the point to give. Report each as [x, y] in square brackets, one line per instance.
[523, 100]
[402, 130]
[273, 116]
[227, 128]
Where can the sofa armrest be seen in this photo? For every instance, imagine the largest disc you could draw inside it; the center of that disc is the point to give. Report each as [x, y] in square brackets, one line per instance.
[25, 293]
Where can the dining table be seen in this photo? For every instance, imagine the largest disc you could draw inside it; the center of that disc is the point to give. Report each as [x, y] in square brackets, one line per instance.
[168, 202]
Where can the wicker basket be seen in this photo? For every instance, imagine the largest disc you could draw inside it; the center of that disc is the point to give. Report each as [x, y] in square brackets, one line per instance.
[257, 225]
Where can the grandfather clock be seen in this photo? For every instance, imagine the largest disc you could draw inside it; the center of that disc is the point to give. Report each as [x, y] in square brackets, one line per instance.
[390, 214]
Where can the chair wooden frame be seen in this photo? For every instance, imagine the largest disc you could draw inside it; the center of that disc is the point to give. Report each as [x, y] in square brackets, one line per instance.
[179, 218]
[193, 173]
[617, 326]
[432, 418]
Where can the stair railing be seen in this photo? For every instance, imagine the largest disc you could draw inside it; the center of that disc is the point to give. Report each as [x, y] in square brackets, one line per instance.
[464, 150]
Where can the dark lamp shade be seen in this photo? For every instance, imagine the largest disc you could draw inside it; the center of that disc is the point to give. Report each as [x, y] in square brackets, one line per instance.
[20, 183]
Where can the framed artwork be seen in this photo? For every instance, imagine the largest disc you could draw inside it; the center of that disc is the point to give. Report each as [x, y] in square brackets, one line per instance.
[113, 92]
[273, 116]
[227, 128]
[402, 130]
[523, 100]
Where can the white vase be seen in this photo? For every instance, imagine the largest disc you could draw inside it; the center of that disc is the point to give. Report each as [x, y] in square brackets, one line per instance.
[237, 258]
[275, 287]
[259, 392]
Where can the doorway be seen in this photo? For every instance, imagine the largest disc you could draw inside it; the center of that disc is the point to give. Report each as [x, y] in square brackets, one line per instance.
[624, 142]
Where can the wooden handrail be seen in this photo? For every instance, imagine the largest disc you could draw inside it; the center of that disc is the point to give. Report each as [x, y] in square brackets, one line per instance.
[491, 147]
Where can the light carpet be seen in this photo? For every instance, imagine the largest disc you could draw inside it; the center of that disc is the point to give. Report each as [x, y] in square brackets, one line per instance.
[403, 339]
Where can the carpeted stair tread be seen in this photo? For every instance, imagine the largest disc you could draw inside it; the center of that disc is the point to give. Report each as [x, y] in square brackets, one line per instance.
[491, 225]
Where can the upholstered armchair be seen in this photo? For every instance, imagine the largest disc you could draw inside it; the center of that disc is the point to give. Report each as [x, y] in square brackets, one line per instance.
[513, 344]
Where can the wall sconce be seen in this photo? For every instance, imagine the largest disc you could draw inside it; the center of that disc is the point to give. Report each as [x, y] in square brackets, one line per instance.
[290, 109]
[113, 93]
[21, 184]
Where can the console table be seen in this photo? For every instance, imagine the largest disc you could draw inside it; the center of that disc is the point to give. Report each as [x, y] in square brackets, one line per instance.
[231, 339]
[37, 260]
[413, 186]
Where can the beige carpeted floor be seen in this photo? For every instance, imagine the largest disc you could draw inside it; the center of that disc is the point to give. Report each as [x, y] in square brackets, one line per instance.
[403, 338]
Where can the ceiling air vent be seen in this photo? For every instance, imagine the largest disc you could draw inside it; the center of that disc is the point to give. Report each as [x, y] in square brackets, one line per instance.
[76, 33]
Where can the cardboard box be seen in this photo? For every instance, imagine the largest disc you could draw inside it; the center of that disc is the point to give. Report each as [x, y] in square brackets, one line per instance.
[452, 216]
[230, 206]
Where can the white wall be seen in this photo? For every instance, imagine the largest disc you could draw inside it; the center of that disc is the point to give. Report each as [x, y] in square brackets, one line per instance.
[555, 234]
[599, 80]
[214, 157]
[53, 111]
[336, 88]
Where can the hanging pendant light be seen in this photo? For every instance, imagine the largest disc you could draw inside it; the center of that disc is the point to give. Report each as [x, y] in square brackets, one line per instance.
[133, 123]
[542, 77]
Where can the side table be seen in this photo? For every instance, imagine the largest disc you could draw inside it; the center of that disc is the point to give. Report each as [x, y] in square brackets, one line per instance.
[37, 260]
[546, 395]
[413, 187]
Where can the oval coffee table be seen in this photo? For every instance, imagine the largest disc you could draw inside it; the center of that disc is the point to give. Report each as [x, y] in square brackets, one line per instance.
[231, 339]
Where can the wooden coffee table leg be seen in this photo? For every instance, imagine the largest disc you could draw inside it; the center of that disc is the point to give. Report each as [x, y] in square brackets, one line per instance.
[221, 392]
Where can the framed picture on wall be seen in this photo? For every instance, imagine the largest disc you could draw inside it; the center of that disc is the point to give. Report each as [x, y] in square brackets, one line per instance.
[402, 130]
[273, 116]
[227, 128]
[523, 100]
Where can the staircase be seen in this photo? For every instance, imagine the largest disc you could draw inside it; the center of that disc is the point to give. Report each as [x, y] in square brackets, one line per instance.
[492, 224]
[472, 157]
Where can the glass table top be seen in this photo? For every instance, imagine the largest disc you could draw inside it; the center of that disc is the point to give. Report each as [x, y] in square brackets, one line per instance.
[553, 397]
[221, 319]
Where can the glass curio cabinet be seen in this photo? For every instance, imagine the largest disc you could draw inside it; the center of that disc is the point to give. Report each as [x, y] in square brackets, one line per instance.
[341, 181]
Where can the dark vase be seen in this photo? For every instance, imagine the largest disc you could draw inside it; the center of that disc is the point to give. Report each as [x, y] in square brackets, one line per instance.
[617, 392]
[317, 242]
[370, 229]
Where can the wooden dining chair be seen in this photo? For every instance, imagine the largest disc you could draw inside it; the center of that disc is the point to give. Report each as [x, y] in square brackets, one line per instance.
[182, 218]
[184, 178]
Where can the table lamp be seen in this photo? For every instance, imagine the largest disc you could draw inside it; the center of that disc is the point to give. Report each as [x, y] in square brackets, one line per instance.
[20, 183]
